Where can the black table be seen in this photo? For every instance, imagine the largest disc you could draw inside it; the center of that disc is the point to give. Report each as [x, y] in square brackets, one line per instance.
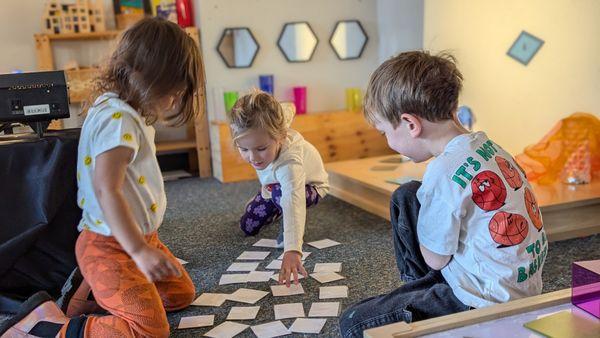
[38, 214]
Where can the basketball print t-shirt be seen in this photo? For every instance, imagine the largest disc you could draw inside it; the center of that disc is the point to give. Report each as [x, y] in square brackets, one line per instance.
[477, 206]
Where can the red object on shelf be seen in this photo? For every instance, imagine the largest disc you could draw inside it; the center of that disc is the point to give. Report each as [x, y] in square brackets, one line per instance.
[185, 15]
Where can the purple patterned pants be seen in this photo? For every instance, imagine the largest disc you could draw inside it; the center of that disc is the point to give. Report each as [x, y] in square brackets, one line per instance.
[260, 211]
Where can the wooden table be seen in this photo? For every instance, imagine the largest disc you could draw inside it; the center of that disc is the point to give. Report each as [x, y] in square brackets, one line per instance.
[568, 210]
[502, 320]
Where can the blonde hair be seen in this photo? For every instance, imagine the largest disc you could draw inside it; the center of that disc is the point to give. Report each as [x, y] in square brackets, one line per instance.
[416, 83]
[259, 110]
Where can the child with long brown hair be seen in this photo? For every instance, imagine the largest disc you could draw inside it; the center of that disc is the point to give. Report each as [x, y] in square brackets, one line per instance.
[153, 75]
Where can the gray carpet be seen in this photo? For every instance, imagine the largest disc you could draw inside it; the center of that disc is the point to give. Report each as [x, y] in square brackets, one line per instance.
[201, 227]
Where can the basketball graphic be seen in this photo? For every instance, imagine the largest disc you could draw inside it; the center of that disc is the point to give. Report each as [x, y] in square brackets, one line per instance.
[508, 229]
[510, 173]
[533, 210]
[489, 192]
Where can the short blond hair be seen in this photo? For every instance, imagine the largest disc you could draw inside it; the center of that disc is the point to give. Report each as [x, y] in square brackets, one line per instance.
[416, 83]
[257, 110]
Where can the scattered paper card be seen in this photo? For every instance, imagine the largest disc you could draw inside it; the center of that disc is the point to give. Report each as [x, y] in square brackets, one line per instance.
[181, 261]
[401, 180]
[384, 167]
[283, 290]
[271, 329]
[253, 255]
[326, 277]
[324, 243]
[308, 325]
[329, 292]
[260, 276]
[328, 267]
[276, 277]
[304, 255]
[243, 266]
[196, 321]
[210, 299]
[247, 296]
[235, 278]
[324, 309]
[243, 312]
[291, 310]
[226, 330]
[274, 265]
[266, 243]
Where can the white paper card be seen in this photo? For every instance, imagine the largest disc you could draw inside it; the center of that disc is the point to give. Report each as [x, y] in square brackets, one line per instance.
[276, 277]
[210, 299]
[274, 265]
[291, 310]
[226, 330]
[304, 255]
[324, 309]
[308, 325]
[324, 243]
[196, 321]
[243, 312]
[181, 261]
[328, 292]
[248, 296]
[328, 267]
[271, 329]
[243, 266]
[235, 278]
[283, 290]
[253, 255]
[259, 276]
[326, 277]
[266, 243]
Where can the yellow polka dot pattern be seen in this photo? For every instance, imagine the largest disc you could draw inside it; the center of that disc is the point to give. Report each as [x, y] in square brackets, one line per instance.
[117, 115]
[127, 137]
[153, 207]
[98, 222]
[82, 202]
[142, 180]
[78, 176]
[87, 161]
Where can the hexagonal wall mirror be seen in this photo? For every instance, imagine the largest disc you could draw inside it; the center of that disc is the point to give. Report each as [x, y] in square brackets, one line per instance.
[297, 41]
[238, 47]
[348, 39]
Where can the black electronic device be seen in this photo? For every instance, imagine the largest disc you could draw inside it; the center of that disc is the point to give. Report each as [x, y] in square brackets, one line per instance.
[33, 98]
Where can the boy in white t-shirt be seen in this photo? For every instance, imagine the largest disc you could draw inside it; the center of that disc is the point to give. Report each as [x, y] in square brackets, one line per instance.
[471, 234]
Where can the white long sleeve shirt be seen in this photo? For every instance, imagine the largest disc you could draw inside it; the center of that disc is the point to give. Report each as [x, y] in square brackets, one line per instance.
[298, 164]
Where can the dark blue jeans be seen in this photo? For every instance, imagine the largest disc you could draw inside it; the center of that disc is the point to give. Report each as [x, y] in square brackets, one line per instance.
[424, 294]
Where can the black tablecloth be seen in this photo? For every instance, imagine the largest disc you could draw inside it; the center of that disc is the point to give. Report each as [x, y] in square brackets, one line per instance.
[38, 213]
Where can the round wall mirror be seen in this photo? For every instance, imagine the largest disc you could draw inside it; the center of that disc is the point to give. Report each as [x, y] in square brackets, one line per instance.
[237, 47]
[297, 41]
[348, 39]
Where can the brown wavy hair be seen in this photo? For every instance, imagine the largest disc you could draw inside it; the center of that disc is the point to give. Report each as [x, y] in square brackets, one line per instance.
[154, 58]
[414, 82]
[257, 110]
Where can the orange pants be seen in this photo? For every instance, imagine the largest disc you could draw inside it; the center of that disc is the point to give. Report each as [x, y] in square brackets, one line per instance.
[136, 305]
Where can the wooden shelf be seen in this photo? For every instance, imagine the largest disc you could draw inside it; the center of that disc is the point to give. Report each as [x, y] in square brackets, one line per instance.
[197, 143]
[107, 35]
[166, 146]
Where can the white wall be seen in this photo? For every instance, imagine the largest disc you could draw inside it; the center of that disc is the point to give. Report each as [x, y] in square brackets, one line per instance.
[400, 24]
[325, 76]
[515, 104]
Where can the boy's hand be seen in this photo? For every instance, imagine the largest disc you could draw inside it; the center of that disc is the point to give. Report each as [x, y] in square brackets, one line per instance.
[154, 264]
[291, 265]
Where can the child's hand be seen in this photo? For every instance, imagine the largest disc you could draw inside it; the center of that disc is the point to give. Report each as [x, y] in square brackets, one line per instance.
[291, 265]
[154, 264]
